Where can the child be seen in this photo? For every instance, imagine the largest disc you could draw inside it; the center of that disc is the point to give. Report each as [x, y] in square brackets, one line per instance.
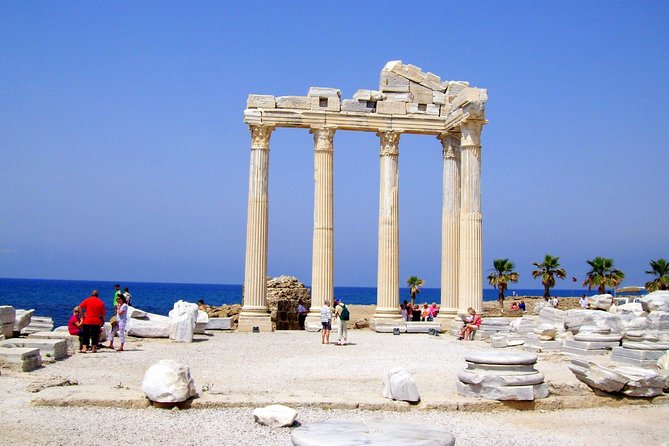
[122, 318]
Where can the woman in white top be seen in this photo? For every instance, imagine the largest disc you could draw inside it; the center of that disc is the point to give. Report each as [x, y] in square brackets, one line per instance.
[326, 319]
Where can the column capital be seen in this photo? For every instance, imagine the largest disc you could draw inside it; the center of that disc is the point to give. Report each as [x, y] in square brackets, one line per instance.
[450, 145]
[323, 138]
[390, 140]
[260, 136]
[471, 132]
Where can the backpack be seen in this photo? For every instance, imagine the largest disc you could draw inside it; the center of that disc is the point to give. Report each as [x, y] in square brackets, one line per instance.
[345, 315]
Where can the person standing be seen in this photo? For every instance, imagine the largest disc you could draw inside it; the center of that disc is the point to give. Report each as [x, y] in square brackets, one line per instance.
[117, 293]
[94, 315]
[128, 296]
[326, 322]
[341, 311]
[301, 313]
[121, 318]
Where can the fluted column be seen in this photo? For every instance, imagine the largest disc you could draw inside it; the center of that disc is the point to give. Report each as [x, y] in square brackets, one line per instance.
[450, 225]
[322, 270]
[471, 246]
[387, 298]
[254, 310]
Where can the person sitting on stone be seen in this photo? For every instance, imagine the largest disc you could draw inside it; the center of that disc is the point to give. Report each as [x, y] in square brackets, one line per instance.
[424, 313]
[433, 311]
[468, 330]
[583, 302]
[201, 305]
[74, 325]
[514, 306]
[522, 307]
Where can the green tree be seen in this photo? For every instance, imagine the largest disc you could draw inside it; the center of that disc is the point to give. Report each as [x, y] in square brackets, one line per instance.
[414, 287]
[501, 275]
[602, 274]
[660, 268]
[548, 270]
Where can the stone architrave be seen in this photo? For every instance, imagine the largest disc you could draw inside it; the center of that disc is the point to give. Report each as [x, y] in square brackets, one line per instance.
[322, 271]
[254, 311]
[387, 298]
[450, 226]
[471, 246]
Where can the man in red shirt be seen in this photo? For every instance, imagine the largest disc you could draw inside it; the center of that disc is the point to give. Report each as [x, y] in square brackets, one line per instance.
[94, 316]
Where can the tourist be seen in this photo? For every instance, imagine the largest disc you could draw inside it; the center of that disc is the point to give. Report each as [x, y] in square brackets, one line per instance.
[522, 307]
[122, 318]
[433, 311]
[515, 306]
[424, 314]
[403, 311]
[341, 311]
[554, 302]
[302, 313]
[117, 293]
[201, 305]
[94, 315]
[74, 325]
[471, 325]
[583, 301]
[113, 320]
[415, 313]
[128, 296]
[326, 322]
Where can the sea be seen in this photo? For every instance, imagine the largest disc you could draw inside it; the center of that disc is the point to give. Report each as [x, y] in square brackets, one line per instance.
[56, 298]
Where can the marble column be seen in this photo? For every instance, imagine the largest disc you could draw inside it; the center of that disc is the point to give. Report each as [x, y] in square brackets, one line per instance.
[450, 226]
[254, 310]
[470, 288]
[387, 298]
[322, 270]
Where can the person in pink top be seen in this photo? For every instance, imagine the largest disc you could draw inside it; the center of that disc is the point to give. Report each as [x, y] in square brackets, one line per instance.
[473, 324]
[74, 325]
[432, 312]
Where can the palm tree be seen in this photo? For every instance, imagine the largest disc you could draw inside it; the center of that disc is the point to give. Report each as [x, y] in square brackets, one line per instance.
[602, 274]
[659, 267]
[548, 270]
[414, 287]
[501, 275]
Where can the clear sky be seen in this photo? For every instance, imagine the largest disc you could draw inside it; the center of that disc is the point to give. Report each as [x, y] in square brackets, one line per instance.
[124, 155]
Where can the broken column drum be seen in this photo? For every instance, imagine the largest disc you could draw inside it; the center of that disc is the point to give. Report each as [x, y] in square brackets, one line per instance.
[408, 101]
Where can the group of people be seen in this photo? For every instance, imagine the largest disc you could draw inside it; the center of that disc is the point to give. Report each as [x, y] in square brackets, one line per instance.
[340, 312]
[516, 306]
[415, 313]
[88, 320]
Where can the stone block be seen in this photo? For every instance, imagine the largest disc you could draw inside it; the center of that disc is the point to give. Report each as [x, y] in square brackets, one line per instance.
[275, 415]
[583, 352]
[439, 98]
[324, 92]
[392, 83]
[23, 359]
[398, 384]
[421, 95]
[374, 431]
[260, 101]
[38, 323]
[598, 377]
[168, 381]
[71, 340]
[591, 345]
[503, 393]
[201, 322]
[351, 105]
[23, 318]
[422, 327]
[642, 363]
[644, 345]
[399, 97]
[600, 301]
[7, 314]
[219, 323]
[294, 102]
[619, 352]
[495, 358]
[391, 108]
[388, 327]
[423, 109]
[454, 88]
[369, 95]
[55, 349]
[656, 301]
[434, 82]
[326, 104]
[593, 337]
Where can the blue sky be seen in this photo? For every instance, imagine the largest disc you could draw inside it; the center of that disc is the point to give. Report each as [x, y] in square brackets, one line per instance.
[124, 155]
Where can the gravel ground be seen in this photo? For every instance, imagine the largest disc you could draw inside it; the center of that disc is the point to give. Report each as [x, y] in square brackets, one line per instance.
[284, 362]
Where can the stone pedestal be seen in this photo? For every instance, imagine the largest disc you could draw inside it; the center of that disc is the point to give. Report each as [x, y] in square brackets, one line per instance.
[498, 376]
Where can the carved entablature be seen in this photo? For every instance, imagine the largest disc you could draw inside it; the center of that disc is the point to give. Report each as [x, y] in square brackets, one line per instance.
[390, 141]
[323, 138]
[408, 100]
[260, 136]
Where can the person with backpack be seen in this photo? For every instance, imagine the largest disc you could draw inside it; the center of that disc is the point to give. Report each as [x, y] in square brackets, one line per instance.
[341, 311]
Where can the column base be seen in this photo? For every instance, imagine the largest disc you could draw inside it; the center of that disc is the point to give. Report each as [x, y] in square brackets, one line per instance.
[384, 323]
[247, 323]
[313, 322]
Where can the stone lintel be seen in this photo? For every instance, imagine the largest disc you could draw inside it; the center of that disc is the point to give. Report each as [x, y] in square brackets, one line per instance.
[360, 121]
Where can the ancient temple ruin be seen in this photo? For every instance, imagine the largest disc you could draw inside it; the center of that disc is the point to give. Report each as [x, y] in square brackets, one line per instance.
[408, 101]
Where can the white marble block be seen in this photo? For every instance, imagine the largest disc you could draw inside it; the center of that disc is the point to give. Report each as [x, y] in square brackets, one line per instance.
[201, 322]
[260, 101]
[275, 415]
[168, 381]
[600, 301]
[398, 384]
[21, 358]
[183, 318]
[392, 83]
[150, 326]
[219, 323]
[391, 108]
[294, 102]
[54, 349]
[326, 104]
[22, 320]
[423, 109]
[324, 92]
[656, 301]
